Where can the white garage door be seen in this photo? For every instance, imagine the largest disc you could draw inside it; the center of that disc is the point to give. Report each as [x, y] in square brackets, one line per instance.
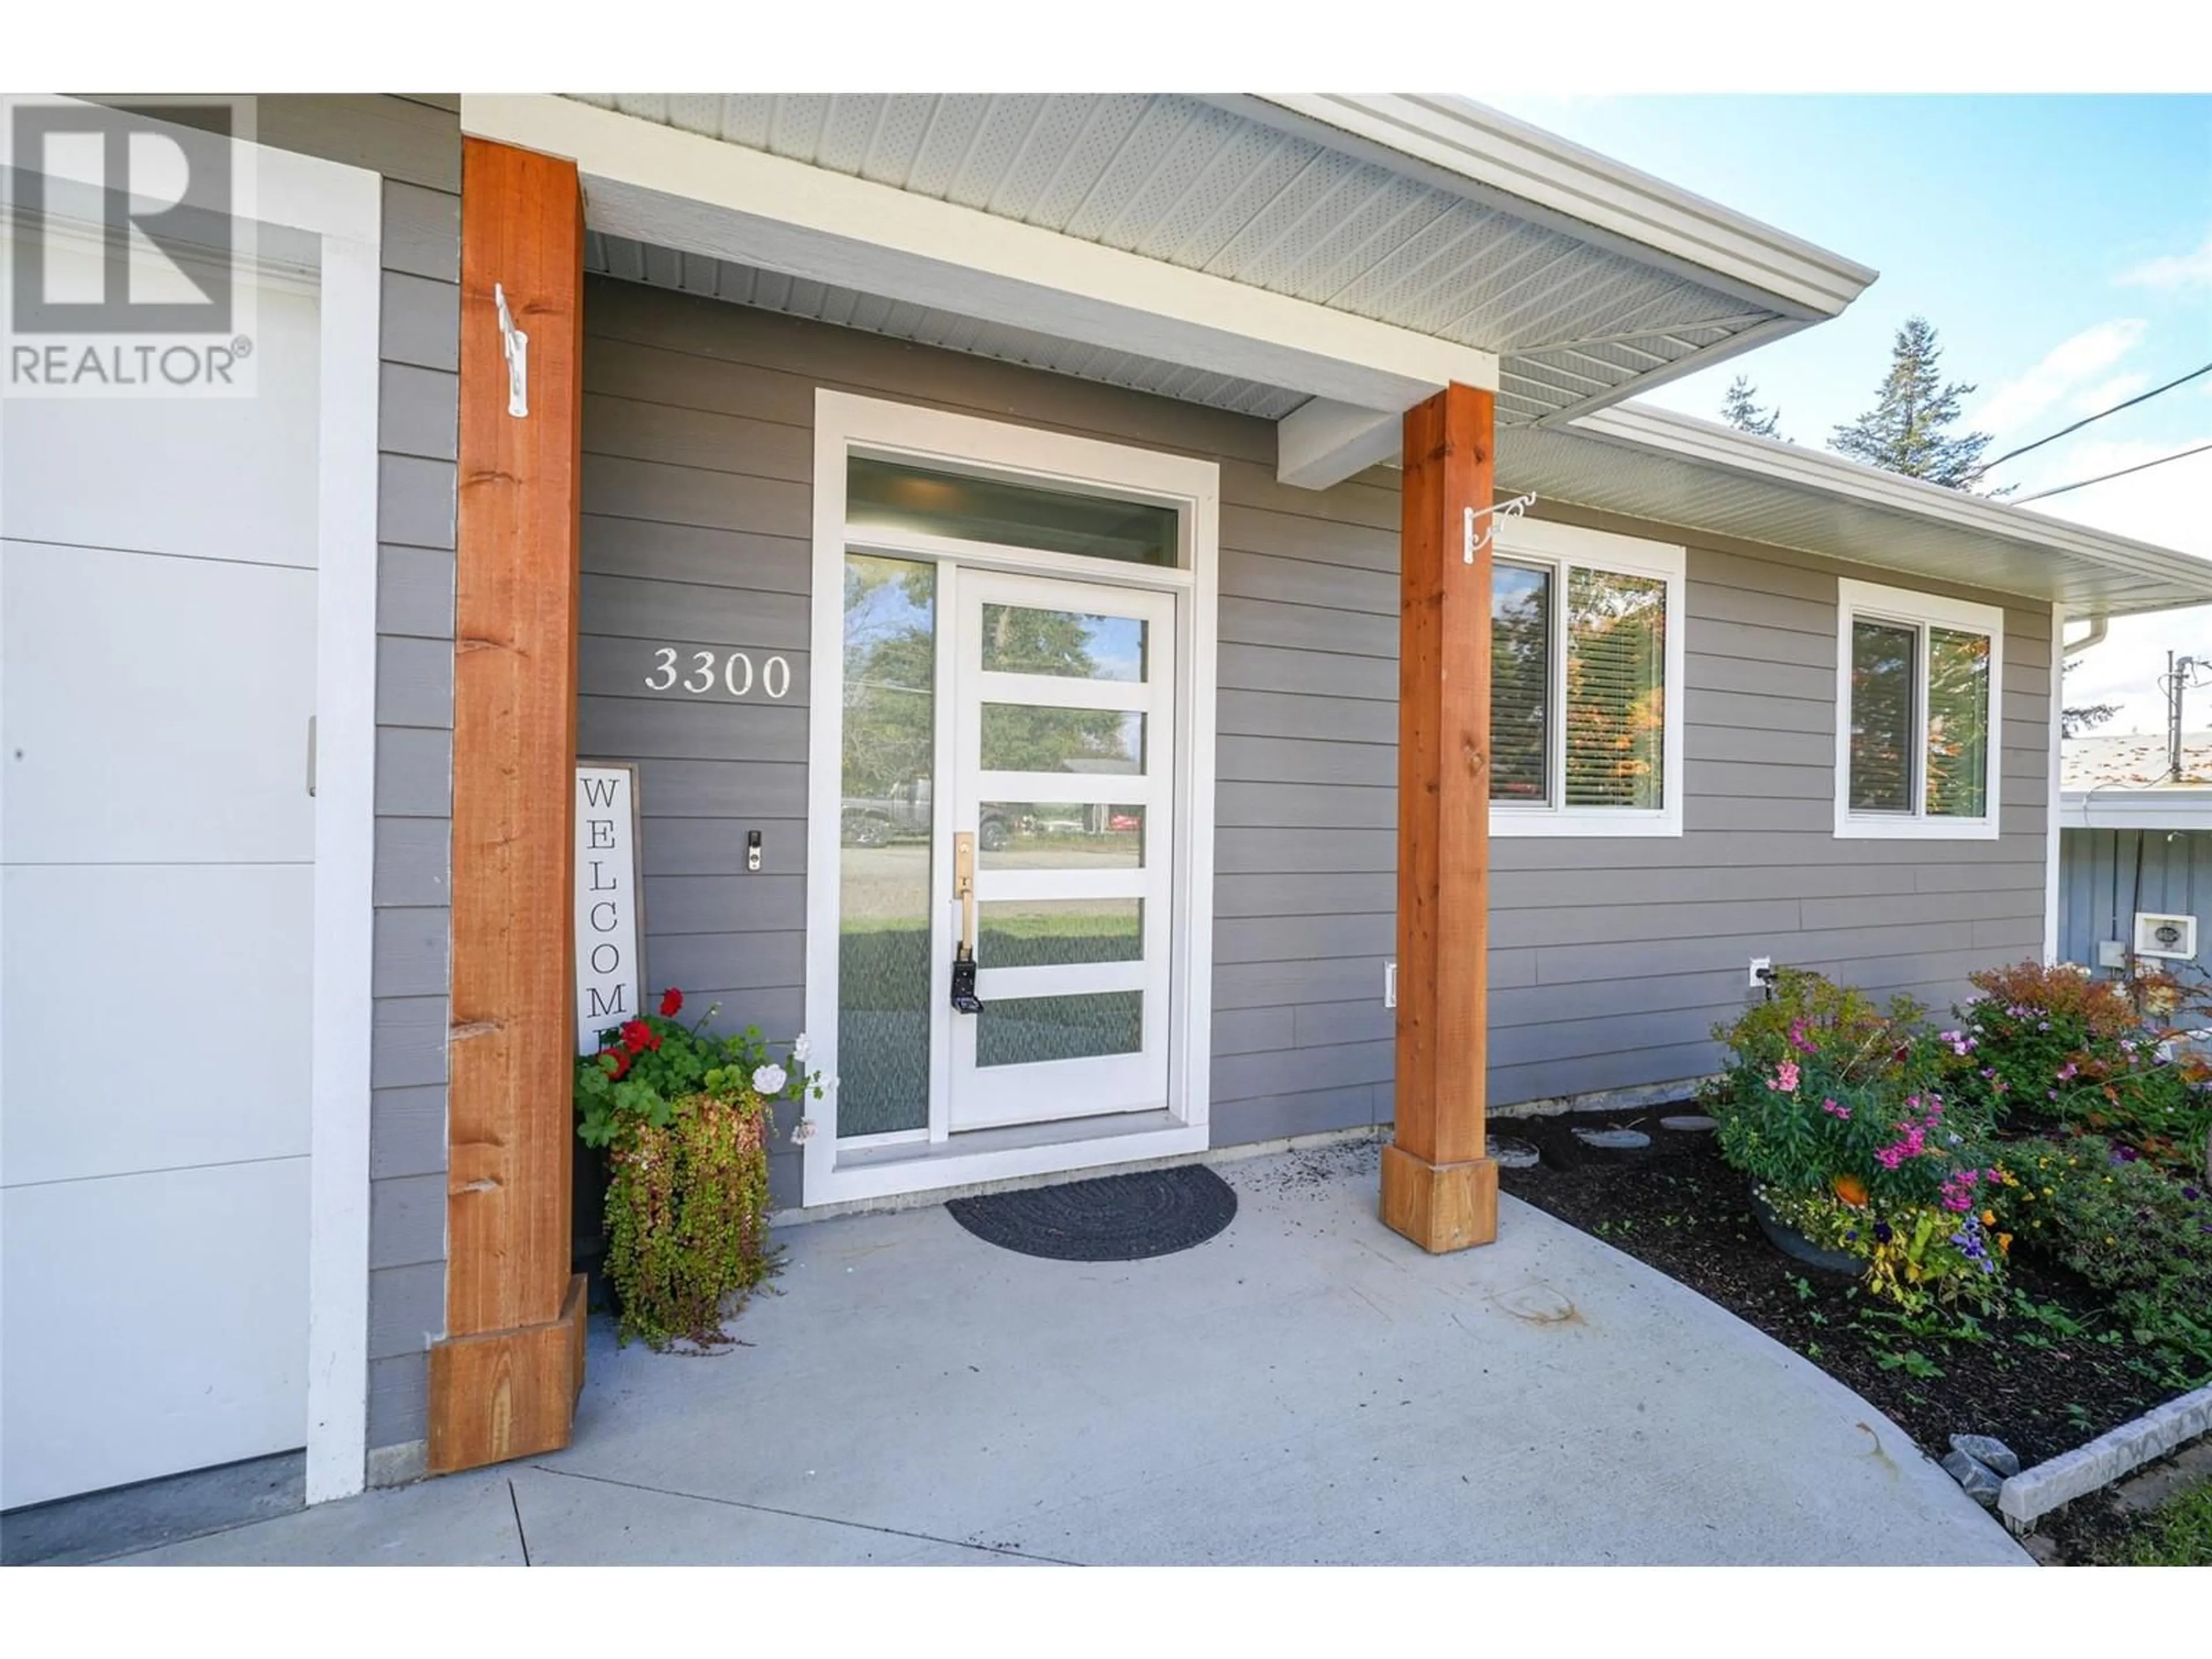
[157, 675]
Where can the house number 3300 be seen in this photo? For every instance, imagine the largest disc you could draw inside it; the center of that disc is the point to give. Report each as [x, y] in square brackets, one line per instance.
[706, 671]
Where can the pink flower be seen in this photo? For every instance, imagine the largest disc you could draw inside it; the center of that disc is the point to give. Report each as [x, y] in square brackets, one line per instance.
[1799, 1040]
[1785, 1078]
[1834, 1110]
[2066, 1071]
[1890, 1157]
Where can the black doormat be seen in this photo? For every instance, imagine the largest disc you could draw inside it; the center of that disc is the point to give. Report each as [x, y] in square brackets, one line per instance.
[1123, 1217]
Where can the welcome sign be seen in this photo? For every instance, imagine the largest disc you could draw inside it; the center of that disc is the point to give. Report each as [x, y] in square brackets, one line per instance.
[609, 933]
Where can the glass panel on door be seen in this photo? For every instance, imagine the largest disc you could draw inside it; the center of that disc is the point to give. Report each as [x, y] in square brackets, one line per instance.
[1065, 728]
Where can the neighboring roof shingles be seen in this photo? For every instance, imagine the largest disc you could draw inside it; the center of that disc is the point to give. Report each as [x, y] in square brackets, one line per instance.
[2134, 762]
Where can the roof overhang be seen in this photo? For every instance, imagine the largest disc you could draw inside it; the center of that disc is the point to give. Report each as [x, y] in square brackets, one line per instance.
[2135, 809]
[1654, 463]
[1354, 253]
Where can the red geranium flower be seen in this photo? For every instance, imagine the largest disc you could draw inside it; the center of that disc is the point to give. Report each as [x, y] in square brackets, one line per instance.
[671, 1003]
[621, 1058]
[637, 1036]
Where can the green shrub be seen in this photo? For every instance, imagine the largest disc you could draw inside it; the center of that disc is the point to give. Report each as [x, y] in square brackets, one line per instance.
[2043, 1049]
[2131, 1229]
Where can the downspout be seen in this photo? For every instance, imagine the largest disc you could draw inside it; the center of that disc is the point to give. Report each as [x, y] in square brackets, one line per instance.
[2062, 651]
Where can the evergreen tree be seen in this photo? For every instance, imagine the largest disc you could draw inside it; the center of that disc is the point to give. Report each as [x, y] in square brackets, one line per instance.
[1909, 428]
[1741, 410]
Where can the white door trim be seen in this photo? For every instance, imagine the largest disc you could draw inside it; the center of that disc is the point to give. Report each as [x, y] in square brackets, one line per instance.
[842, 422]
[342, 206]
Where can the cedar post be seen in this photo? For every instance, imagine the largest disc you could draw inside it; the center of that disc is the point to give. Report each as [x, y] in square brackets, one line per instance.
[1439, 1188]
[504, 1382]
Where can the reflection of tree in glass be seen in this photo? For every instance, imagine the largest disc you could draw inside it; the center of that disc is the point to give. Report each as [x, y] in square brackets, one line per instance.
[1958, 723]
[1520, 652]
[1882, 716]
[890, 653]
[1022, 640]
[1616, 689]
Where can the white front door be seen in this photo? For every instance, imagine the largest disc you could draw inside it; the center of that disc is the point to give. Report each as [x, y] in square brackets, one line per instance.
[1064, 748]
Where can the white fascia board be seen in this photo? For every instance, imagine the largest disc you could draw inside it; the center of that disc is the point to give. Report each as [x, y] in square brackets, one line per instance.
[2120, 807]
[1523, 169]
[1710, 444]
[1323, 443]
[700, 195]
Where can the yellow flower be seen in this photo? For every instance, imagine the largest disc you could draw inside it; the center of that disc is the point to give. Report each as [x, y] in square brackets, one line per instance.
[2004, 1244]
[1989, 1218]
[1850, 1189]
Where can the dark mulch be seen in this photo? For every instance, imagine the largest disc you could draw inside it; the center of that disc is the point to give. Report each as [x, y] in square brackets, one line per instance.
[1680, 1209]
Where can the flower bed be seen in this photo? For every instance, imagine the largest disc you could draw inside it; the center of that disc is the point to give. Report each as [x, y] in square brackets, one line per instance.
[2022, 1188]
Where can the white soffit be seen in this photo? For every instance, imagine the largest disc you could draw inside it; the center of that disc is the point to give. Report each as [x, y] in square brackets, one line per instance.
[747, 285]
[1433, 216]
[1654, 463]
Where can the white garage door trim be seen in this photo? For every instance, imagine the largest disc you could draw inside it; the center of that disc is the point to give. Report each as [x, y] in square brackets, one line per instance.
[342, 206]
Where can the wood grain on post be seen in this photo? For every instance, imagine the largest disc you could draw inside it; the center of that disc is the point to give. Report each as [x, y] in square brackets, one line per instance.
[503, 1382]
[1439, 1188]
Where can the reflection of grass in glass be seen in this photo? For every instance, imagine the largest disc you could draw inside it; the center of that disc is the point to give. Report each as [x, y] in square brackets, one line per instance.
[1034, 938]
[1060, 1027]
[882, 1027]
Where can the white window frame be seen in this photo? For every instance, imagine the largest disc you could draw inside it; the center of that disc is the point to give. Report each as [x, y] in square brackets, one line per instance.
[1559, 547]
[1909, 608]
[834, 1171]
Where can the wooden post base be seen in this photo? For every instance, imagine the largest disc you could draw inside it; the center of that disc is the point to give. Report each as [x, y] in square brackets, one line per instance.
[1440, 1206]
[506, 1394]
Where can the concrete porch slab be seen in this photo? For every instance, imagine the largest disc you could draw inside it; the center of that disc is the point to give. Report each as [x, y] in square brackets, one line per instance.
[1305, 1388]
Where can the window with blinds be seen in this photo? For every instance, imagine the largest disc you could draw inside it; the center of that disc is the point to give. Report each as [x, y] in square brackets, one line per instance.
[1616, 689]
[1579, 704]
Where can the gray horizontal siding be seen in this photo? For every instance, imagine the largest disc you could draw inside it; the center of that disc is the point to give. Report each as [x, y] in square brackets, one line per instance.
[417, 146]
[1610, 959]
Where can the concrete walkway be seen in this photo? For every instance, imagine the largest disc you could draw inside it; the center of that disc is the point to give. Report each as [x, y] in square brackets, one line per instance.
[1306, 1387]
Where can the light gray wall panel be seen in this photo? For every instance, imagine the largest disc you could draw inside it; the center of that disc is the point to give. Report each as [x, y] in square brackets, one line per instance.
[416, 147]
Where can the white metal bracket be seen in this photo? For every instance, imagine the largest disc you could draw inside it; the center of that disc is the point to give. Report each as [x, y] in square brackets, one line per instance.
[514, 346]
[1512, 509]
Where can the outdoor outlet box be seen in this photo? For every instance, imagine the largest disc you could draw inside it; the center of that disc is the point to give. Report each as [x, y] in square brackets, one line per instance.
[2111, 953]
[1760, 966]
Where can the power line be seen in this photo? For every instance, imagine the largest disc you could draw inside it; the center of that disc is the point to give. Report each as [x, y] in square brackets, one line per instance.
[2140, 466]
[2086, 420]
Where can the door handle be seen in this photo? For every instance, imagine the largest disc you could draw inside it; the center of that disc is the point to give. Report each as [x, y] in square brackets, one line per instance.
[964, 999]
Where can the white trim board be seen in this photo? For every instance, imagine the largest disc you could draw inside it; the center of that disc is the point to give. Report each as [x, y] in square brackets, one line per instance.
[2054, 785]
[844, 422]
[341, 208]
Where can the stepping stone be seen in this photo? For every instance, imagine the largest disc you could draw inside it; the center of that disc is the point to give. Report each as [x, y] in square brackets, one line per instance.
[1510, 1154]
[1693, 1125]
[1613, 1140]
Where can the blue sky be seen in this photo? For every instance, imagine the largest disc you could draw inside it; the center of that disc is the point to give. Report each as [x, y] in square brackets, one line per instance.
[2061, 247]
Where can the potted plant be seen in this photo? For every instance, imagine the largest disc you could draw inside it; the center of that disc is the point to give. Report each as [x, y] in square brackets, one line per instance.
[682, 1118]
[1833, 1107]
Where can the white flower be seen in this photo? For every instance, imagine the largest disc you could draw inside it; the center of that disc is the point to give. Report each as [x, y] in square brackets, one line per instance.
[769, 1078]
[802, 1131]
[800, 1048]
